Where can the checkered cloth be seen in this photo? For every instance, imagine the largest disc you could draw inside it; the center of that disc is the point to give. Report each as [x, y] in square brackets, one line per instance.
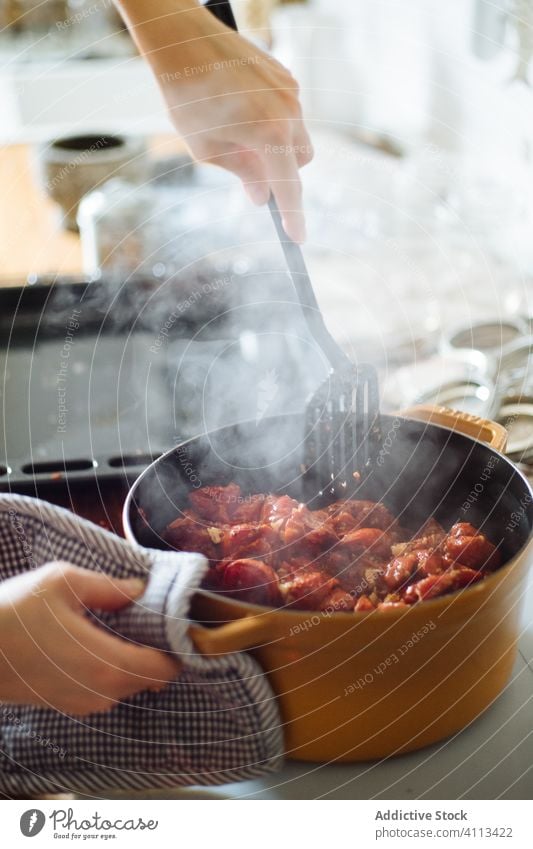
[217, 723]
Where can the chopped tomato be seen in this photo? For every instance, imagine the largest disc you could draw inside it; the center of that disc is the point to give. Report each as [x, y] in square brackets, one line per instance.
[307, 590]
[353, 555]
[251, 580]
[363, 604]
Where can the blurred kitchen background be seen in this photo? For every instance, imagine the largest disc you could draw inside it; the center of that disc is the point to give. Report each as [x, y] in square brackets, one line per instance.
[419, 200]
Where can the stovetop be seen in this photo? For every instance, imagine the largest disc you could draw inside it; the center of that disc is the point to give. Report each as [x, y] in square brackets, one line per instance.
[103, 376]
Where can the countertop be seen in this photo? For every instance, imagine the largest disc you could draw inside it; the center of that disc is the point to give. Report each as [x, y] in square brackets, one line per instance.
[33, 241]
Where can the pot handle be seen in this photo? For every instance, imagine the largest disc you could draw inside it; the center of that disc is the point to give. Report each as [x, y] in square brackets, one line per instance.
[238, 635]
[484, 430]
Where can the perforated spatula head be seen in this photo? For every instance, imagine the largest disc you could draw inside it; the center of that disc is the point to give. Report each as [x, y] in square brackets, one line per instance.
[343, 430]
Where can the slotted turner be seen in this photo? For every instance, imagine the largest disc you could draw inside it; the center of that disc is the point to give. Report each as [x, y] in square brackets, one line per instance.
[343, 431]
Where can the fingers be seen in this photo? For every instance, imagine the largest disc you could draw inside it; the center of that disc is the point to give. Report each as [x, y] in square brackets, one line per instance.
[286, 186]
[98, 591]
[113, 669]
[133, 667]
[269, 167]
[57, 657]
[245, 164]
[251, 170]
[303, 147]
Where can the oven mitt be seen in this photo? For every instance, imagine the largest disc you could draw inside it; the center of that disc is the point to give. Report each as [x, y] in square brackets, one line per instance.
[217, 722]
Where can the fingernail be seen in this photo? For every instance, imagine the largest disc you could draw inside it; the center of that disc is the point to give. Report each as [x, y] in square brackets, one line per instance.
[134, 586]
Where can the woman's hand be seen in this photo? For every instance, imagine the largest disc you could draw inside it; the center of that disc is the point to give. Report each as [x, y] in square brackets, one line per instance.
[233, 104]
[52, 655]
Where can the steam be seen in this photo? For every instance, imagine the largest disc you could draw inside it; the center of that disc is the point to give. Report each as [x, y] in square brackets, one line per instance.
[212, 336]
[202, 332]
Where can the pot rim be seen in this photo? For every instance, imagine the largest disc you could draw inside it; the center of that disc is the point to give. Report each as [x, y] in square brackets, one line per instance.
[248, 608]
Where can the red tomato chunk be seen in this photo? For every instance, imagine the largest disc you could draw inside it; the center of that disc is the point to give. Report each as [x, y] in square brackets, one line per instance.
[353, 556]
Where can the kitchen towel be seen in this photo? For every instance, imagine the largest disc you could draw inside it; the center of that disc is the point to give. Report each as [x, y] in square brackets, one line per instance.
[218, 722]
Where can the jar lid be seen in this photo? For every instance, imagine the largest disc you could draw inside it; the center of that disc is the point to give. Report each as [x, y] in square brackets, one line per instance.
[517, 417]
[470, 396]
[487, 336]
[516, 355]
[452, 380]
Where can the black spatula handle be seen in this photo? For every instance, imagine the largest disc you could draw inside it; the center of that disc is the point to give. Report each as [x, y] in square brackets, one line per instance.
[294, 258]
[222, 10]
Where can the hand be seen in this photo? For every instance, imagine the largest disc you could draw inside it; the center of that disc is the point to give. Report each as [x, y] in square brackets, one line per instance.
[53, 656]
[233, 104]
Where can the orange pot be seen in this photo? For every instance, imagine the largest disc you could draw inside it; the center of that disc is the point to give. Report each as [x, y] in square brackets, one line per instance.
[358, 686]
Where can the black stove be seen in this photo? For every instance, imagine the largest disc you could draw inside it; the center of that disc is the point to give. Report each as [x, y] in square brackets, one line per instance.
[100, 377]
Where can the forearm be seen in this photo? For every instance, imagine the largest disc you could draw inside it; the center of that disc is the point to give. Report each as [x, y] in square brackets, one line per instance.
[160, 26]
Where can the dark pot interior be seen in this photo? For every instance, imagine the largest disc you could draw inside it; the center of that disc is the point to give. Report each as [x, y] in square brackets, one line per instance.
[424, 470]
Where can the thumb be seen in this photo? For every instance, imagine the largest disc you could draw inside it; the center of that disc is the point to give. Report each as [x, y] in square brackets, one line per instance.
[96, 590]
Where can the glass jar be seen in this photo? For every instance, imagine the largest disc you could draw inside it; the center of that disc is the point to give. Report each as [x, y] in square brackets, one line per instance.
[112, 223]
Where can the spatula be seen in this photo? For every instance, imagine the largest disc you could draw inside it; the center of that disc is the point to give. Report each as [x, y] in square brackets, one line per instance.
[343, 432]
